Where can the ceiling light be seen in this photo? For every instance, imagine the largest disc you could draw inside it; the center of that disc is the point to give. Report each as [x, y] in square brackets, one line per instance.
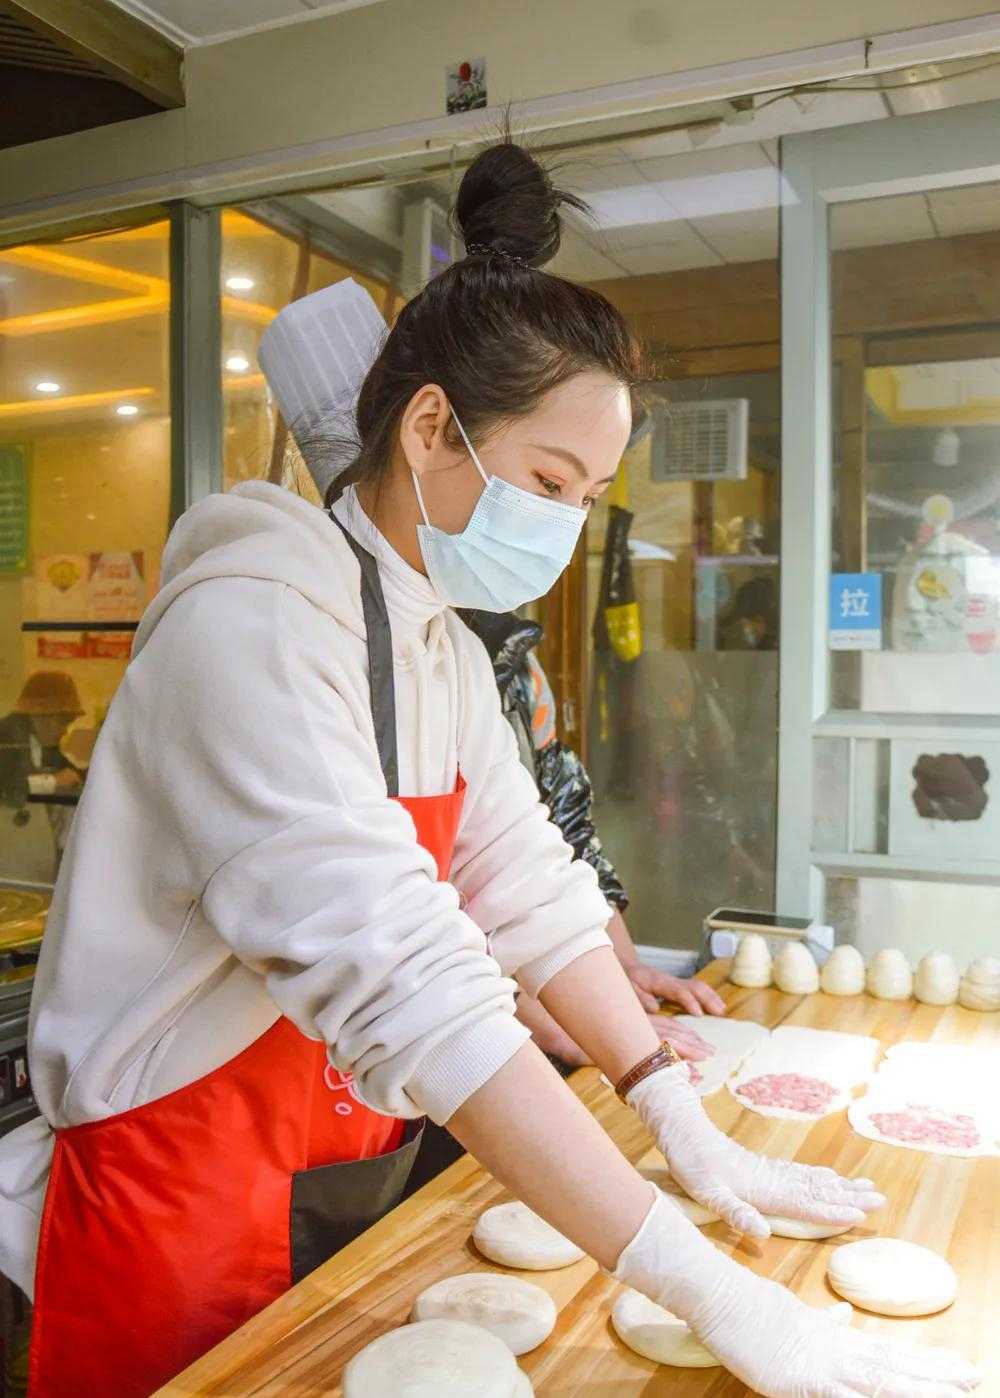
[237, 364]
[687, 197]
[240, 283]
[126, 410]
[47, 386]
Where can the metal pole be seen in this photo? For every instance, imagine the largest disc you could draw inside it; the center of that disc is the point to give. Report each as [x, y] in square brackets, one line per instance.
[195, 355]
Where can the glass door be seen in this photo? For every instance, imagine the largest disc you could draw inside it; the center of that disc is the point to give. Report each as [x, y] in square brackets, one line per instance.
[889, 755]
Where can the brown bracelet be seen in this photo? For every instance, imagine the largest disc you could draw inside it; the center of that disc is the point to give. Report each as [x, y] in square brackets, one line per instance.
[663, 1057]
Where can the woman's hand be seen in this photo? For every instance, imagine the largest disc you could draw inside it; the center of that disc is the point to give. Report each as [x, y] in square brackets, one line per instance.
[735, 1183]
[764, 1335]
[687, 1042]
[692, 996]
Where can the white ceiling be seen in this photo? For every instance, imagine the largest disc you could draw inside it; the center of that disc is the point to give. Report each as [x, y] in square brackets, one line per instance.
[694, 197]
[709, 194]
[193, 22]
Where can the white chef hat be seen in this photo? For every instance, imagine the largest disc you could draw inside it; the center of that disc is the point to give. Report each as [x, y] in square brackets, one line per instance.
[316, 354]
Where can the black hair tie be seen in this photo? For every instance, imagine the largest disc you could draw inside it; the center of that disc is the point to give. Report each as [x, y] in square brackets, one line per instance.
[488, 250]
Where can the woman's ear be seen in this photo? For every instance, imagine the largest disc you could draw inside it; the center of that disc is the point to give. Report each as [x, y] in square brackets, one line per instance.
[422, 430]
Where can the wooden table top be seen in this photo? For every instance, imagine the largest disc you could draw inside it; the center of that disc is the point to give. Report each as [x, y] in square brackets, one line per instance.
[301, 1343]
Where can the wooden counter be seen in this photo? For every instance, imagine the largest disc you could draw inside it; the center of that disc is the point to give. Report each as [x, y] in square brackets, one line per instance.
[300, 1344]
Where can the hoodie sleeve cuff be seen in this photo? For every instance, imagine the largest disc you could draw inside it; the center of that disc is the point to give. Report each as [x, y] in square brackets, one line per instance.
[459, 1066]
[533, 976]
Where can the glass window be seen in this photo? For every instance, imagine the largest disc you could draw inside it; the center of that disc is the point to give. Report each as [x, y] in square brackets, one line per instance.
[682, 569]
[263, 269]
[917, 456]
[84, 509]
[871, 913]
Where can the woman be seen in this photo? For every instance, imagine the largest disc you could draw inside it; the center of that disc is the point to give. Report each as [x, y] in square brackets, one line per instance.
[248, 912]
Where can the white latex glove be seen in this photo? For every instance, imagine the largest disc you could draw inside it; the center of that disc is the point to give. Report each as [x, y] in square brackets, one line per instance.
[733, 1182]
[763, 1334]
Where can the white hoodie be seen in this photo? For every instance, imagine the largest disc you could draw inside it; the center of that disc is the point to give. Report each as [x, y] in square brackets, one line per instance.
[235, 855]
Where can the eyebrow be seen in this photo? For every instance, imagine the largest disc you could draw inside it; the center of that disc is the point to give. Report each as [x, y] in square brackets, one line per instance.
[571, 459]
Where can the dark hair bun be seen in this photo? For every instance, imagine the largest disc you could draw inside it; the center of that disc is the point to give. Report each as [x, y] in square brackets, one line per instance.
[507, 201]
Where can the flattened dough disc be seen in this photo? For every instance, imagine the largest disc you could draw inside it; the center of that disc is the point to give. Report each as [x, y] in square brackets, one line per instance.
[514, 1236]
[435, 1359]
[799, 1228]
[657, 1334]
[516, 1311]
[892, 1277]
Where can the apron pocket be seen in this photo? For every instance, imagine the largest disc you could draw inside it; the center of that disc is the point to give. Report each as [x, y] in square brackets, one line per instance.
[334, 1204]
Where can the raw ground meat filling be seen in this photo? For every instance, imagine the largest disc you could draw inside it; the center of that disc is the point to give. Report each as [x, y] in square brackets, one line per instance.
[793, 1091]
[920, 1125]
[695, 1074]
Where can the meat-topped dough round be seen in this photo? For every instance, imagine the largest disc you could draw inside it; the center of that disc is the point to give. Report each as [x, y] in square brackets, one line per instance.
[892, 1277]
[435, 1359]
[513, 1235]
[516, 1311]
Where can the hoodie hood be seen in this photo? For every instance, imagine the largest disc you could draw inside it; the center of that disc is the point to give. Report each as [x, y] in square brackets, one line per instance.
[259, 530]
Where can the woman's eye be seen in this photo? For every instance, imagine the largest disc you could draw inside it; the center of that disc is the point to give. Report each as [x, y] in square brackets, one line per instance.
[550, 487]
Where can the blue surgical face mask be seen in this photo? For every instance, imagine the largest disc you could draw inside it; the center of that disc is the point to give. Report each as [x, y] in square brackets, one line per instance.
[512, 550]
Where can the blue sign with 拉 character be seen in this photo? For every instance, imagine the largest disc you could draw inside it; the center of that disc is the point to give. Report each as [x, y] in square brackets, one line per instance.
[856, 611]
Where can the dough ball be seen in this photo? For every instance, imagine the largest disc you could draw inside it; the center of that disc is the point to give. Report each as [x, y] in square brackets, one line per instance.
[523, 1386]
[657, 1334]
[751, 966]
[889, 976]
[516, 1311]
[795, 970]
[985, 971]
[892, 1277]
[435, 1359]
[844, 972]
[936, 980]
[980, 986]
[514, 1236]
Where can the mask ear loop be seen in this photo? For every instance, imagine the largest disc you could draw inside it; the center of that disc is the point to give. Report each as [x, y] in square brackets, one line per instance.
[472, 452]
[471, 448]
[420, 498]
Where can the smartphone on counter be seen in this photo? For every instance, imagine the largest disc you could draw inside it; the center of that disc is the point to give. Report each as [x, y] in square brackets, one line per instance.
[770, 924]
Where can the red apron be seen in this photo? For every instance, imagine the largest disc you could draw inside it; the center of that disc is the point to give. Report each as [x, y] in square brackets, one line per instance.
[168, 1226]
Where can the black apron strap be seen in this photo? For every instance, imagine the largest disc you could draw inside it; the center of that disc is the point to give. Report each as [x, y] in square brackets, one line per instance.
[381, 680]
